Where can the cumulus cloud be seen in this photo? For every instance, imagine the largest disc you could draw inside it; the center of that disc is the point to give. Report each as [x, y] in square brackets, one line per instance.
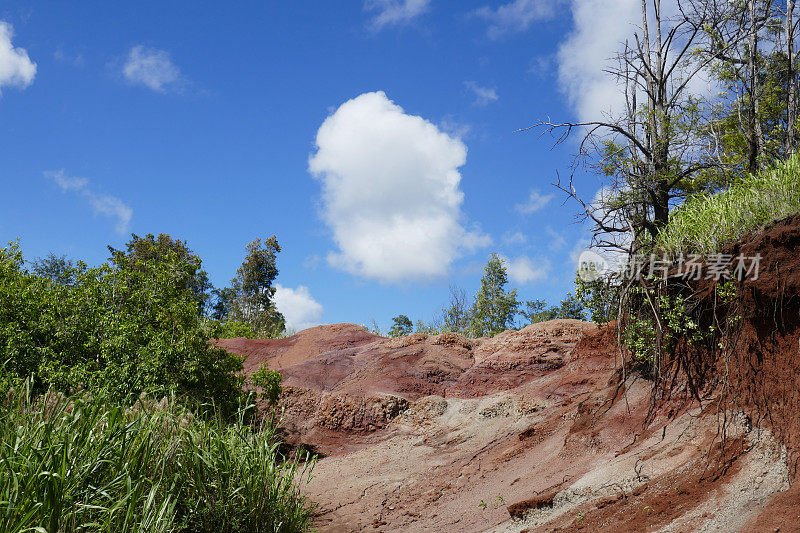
[394, 12]
[151, 68]
[524, 270]
[391, 191]
[599, 28]
[298, 307]
[536, 202]
[103, 204]
[516, 16]
[483, 95]
[16, 68]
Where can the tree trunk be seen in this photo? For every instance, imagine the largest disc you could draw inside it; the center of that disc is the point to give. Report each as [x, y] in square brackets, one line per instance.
[791, 97]
[753, 123]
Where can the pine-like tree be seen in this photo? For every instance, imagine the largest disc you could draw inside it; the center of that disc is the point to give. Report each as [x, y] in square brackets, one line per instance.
[495, 307]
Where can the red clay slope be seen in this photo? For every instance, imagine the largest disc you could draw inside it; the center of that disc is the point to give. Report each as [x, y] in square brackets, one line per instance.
[528, 430]
[281, 353]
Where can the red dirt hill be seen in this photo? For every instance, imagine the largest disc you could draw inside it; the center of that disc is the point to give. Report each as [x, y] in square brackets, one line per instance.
[533, 430]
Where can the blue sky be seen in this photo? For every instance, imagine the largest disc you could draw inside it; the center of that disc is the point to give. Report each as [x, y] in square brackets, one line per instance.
[376, 139]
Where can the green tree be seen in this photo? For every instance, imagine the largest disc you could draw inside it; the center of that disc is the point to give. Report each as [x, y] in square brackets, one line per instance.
[253, 291]
[537, 311]
[139, 251]
[599, 297]
[401, 326]
[571, 307]
[223, 301]
[495, 307]
[56, 268]
[119, 329]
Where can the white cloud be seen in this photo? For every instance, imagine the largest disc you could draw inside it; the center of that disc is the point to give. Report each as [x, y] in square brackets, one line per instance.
[541, 66]
[536, 202]
[67, 183]
[600, 29]
[152, 68]
[394, 12]
[483, 95]
[103, 204]
[516, 16]
[311, 261]
[557, 240]
[391, 191]
[524, 270]
[298, 307]
[113, 207]
[514, 238]
[76, 59]
[600, 26]
[454, 128]
[16, 68]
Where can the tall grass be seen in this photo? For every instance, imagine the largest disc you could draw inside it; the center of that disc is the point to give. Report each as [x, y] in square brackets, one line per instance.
[83, 464]
[706, 222]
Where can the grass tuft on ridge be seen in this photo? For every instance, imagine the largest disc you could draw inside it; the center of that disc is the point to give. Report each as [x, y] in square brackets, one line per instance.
[705, 223]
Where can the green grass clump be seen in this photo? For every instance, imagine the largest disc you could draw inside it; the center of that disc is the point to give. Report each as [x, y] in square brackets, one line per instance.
[704, 223]
[70, 464]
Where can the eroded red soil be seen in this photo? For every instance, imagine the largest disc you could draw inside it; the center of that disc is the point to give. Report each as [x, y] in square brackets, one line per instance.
[528, 430]
[533, 430]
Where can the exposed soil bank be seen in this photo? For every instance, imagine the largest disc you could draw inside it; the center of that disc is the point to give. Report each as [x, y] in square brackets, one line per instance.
[528, 430]
[533, 431]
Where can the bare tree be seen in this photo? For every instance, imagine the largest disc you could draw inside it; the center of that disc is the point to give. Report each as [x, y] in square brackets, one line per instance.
[654, 152]
[790, 29]
[456, 317]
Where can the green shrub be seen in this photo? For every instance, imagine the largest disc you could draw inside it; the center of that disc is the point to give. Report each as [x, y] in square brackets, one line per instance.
[121, 330]
[270, 383]
[706, 222]
[230, 329]
[640, 333]
[79, 463]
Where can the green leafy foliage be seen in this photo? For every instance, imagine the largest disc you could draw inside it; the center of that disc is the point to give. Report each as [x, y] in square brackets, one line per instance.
[429, 327]
[537, 311]
[270, 383]
[401, 326]
[250, 297]
[83, 463]
[126, 327]
[572, 306]
[642, 335]
[55, 268]
[231, 329]
[599, 298]
[456, 317]
[140, 251]
[495, 307]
